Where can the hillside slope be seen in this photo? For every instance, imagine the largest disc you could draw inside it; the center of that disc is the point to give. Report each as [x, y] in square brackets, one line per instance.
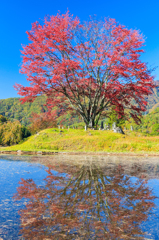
[153, 100]
[12, 108]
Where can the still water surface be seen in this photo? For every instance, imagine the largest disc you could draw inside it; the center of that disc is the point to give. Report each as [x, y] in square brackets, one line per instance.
[79, 197]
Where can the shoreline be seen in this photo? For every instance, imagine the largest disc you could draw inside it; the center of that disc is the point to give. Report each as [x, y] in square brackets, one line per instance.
[40, 153]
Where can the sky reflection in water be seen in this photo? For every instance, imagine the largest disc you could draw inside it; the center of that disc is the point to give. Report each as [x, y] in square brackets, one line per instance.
[79, 198]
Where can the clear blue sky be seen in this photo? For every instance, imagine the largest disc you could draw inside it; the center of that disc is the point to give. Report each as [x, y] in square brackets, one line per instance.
[16, 18]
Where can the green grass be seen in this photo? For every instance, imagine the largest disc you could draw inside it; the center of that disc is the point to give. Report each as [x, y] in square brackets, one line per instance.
[87, 141]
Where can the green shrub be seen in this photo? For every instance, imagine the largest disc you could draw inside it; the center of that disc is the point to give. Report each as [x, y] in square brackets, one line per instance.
[12, 133]
[3, 119]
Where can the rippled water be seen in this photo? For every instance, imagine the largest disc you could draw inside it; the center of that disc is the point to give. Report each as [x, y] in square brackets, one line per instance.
[79, 197]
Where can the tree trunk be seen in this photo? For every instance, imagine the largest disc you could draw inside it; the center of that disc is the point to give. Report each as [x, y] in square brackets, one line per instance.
[91, 123]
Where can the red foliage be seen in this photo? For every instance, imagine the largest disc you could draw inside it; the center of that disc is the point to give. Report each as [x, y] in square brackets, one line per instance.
[87, 67]
[42, 121]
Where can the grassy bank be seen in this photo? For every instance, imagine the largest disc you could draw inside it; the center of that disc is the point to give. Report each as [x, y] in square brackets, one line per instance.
[90, 141]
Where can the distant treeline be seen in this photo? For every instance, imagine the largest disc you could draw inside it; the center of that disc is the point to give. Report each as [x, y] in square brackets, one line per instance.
[12, 108]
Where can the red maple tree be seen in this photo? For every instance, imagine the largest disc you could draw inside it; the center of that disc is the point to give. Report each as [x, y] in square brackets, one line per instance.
[87, 67]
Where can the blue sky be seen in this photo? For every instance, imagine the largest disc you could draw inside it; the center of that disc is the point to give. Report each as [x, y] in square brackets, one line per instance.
[16, 18]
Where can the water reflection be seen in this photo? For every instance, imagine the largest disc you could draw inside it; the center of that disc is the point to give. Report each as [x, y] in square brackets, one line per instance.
[85, 202]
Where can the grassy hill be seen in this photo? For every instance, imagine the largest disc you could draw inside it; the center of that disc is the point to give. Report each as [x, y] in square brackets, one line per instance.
[87, 141]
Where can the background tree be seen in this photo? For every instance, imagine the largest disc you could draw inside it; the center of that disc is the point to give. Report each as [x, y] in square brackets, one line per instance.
[88, 66]
[42, 121]
[12, 132]
[113, 117]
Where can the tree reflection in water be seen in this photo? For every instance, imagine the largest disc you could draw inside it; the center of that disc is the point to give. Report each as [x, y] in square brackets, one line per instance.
[88, 202]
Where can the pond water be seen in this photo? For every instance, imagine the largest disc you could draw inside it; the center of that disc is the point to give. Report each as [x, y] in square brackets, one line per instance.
[79, 197]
